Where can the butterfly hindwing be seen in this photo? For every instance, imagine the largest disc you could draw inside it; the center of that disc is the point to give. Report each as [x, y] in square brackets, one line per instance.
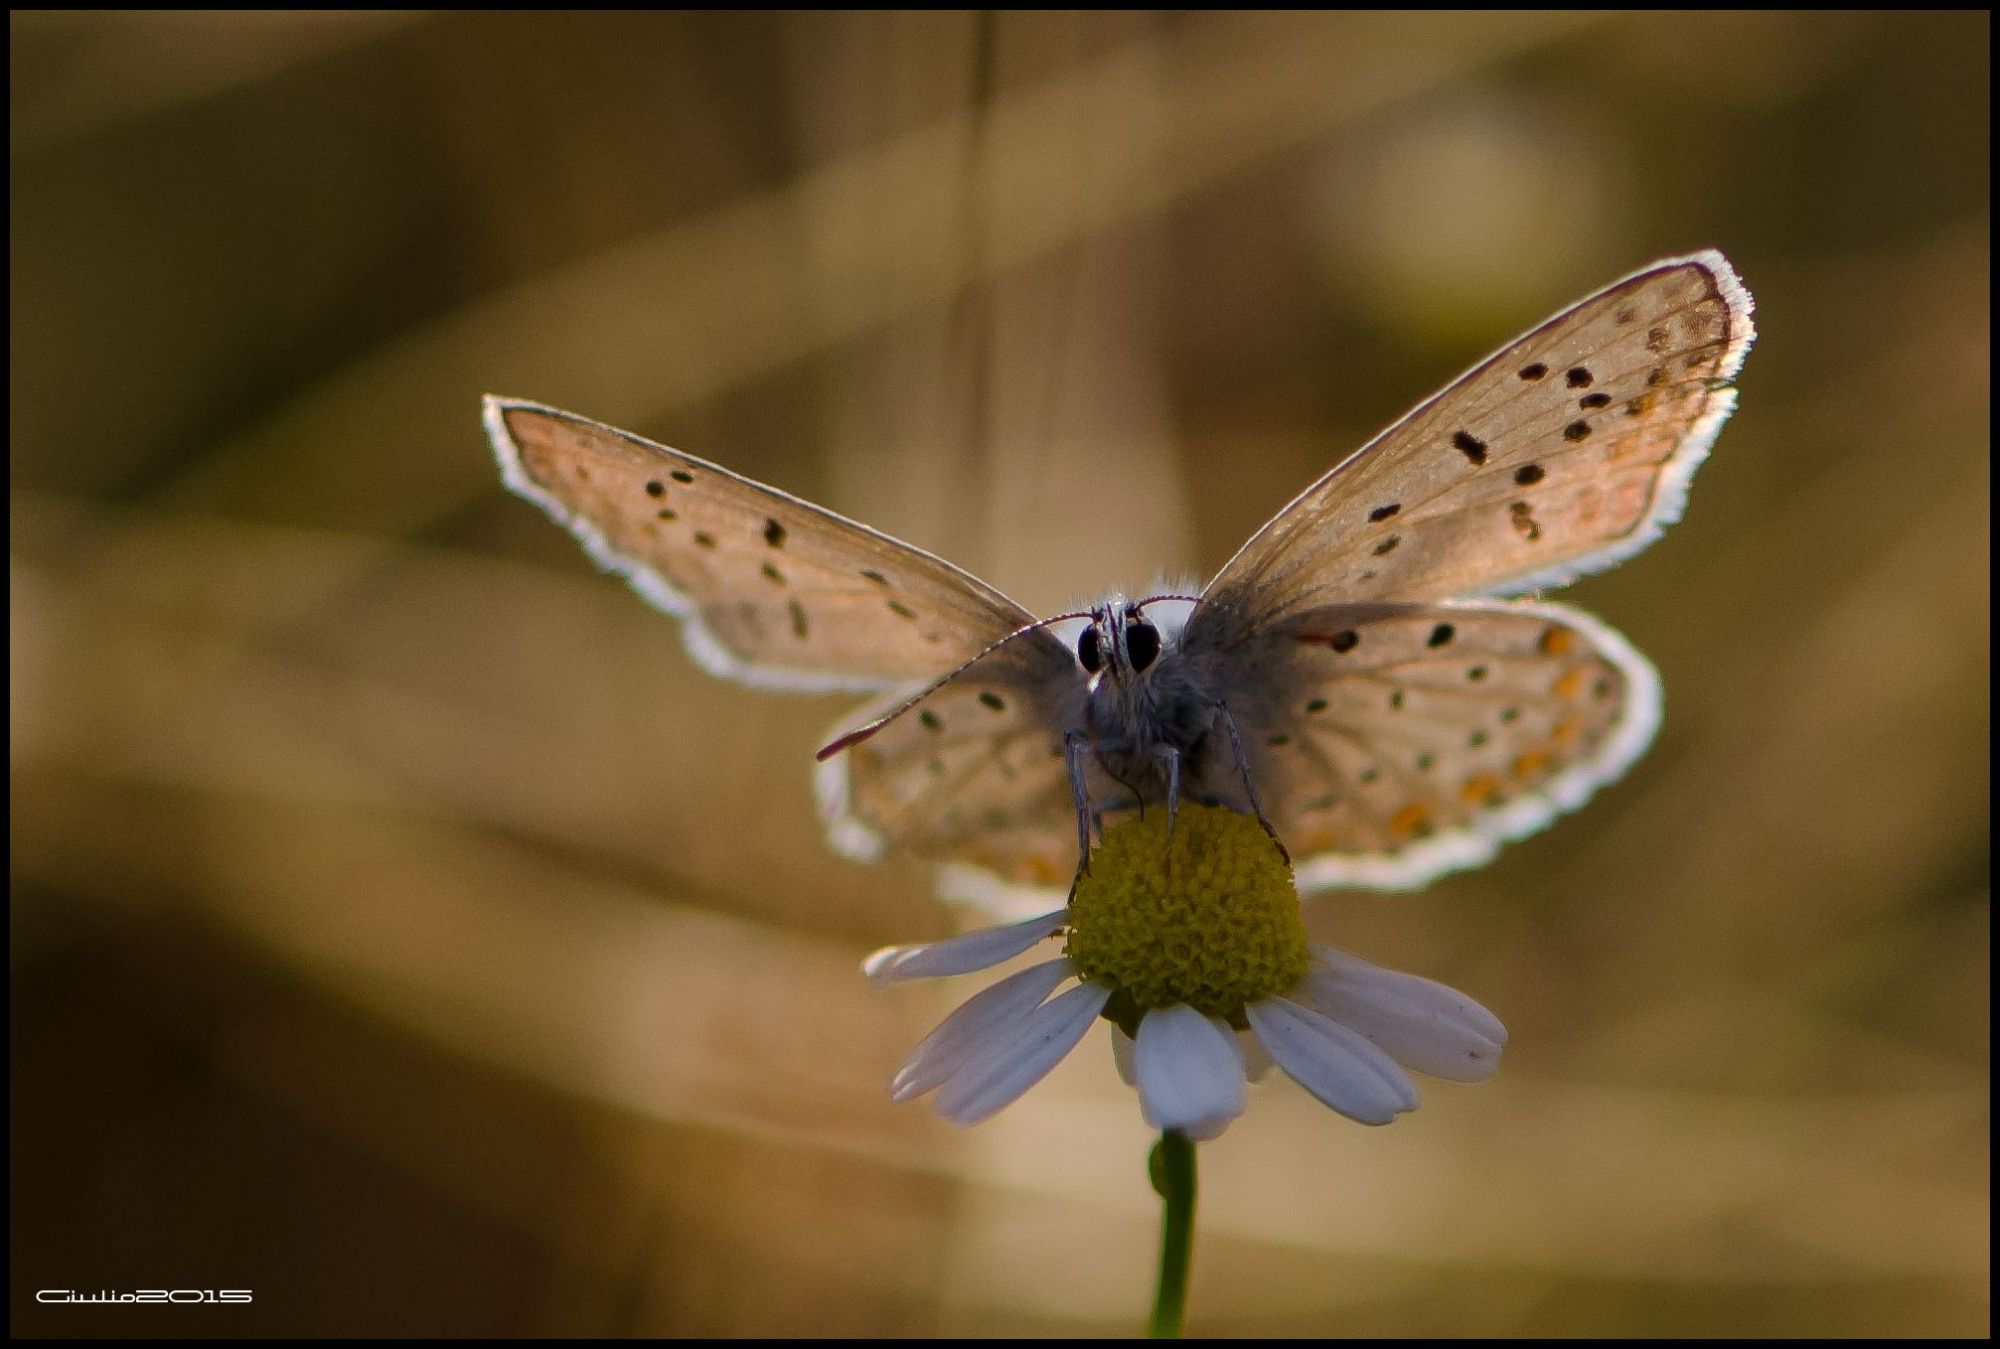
[1393, 742]
[974, 771]
[771, 590]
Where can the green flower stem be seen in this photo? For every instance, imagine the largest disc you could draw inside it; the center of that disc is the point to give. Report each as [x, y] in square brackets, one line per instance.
[1172, 1167]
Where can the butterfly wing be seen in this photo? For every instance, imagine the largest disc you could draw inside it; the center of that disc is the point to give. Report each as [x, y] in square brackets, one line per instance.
[1397, 734]
[1393, 742]
[1568, 450]
[974, 772]
[770, 590]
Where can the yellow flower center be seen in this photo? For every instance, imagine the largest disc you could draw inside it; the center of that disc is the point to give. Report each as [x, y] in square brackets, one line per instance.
[1209, 918]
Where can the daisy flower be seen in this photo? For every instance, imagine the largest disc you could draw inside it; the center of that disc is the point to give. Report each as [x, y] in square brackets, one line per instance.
[1193, 948]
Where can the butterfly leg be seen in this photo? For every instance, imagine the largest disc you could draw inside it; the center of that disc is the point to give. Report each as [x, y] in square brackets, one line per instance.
[1075, 745]
[1249, 787]
[1171, 757]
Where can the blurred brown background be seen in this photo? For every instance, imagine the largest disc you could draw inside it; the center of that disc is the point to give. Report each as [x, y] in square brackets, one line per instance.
[404, 929]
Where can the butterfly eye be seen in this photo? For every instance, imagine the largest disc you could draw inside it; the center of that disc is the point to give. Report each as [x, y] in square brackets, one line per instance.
[1142, 643]
[1088, 652]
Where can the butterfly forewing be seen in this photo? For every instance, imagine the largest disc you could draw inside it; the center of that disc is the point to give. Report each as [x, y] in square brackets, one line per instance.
[771, 590]
[1394, 741]
[1561, 454]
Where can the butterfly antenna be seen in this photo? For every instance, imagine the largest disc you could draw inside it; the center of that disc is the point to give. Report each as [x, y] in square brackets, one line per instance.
[861, 733]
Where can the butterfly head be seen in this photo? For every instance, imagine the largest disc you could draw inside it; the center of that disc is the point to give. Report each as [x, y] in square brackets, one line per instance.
[1126, 638]
[1119, 643]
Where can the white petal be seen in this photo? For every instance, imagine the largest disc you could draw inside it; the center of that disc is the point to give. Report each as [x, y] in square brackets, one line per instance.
[959, 955]
[1190, 1072]
[1338, 1065]
[1421, 1023]
[960, 1036]
[1031, 1047]
[1354, 969]
[1121, 1058]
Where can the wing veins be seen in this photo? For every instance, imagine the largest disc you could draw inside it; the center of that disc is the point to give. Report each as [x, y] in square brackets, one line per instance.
[1379, 759]
[938, 800]
[1454, 691]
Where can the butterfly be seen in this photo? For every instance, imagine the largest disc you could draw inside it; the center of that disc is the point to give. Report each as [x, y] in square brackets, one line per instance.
[1355, 675]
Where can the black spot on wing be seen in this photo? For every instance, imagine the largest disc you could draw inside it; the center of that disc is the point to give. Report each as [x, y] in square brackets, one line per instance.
[1469, 445]
[1523, 517]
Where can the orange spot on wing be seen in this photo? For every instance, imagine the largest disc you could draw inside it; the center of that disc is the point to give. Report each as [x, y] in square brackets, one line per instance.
[1481, 791]
[1530, 765]
[1319, 840]
[1570, 685]
[1411, 820]
[1557, 641]
[1043, 870]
